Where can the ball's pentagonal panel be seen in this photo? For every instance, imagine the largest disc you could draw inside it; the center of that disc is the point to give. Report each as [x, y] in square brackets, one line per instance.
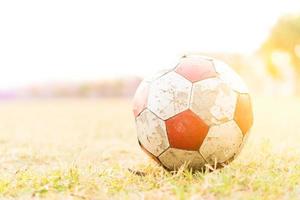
[243, 113]
[152, 132]
[196, 69]
[221, 142]
[173, 159]
[149, 154]
[140, 98]
[213, 100]
[229, 76]
[169, 95]
[186, 131]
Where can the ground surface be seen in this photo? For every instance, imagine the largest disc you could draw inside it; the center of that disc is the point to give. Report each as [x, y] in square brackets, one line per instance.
[87, 149]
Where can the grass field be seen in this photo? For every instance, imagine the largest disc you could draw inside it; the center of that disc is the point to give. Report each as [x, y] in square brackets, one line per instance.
[87, 149]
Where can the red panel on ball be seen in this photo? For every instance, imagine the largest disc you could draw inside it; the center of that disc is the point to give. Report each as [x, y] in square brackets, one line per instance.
[196, 69]
[140, 98]
[186, 131]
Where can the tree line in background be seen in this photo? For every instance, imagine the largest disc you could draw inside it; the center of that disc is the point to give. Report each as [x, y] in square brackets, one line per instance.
[282, 47]
[122, 87]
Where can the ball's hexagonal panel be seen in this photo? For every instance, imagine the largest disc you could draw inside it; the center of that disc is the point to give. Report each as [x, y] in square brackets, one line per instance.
[229, 76]
[157, 75]
[140, 98]
[221, 142]
[169, 95]
[152, 132]
[213, 100]
[173, 159]
[197, 56]
[241, 147]
[243, 113]
[149, 154]
[196, 69]
[186, 131]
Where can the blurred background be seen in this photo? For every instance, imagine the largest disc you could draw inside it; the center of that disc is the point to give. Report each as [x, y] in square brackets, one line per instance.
[94, 49]
[69, 69]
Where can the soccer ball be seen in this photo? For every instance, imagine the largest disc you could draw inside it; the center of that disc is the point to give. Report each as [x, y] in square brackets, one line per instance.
[197, 114]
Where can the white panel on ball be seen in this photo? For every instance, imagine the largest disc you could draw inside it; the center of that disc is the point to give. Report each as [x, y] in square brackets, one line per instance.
[157, 75]
[174, 158]
[221, 142]
[213, 100]
[169, 95]
[241, 147]
[152, 132]
[229, 76]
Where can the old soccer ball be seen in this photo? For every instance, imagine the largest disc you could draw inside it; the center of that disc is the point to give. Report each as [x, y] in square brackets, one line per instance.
[196, 114]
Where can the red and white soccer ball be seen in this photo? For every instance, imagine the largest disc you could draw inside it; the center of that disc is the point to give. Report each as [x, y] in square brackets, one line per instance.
[195, 114]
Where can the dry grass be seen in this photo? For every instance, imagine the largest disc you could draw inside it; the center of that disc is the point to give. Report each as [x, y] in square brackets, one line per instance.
[82, 149]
